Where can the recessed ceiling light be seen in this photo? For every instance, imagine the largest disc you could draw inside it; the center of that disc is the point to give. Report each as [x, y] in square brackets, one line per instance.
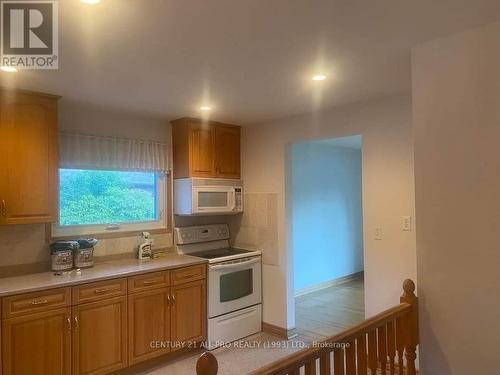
[319, 77]
[205, 108]
[8, 69]
[91, 1]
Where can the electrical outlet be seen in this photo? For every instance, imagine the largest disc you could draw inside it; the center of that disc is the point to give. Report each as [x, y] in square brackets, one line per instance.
[406, 224]
[378, 234]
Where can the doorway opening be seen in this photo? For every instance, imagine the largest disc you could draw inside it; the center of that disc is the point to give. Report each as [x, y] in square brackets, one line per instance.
[326, 233]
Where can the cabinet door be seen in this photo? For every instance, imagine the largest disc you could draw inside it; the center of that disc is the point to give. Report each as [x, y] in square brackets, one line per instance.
[28, 137]
[227, 146]
[100, 336]
[202, 150]
[149, 324]
[38, 344]
[189, 313]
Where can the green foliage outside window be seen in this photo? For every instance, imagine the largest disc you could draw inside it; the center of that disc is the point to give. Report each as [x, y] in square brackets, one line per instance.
[105, 197]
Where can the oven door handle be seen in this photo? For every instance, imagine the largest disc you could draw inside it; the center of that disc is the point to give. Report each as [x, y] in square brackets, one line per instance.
[234, 265]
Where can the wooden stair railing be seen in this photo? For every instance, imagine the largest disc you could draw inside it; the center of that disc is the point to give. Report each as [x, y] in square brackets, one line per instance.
[386, 342]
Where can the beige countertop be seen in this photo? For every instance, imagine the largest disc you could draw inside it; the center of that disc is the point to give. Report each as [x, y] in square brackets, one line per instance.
[102, 270]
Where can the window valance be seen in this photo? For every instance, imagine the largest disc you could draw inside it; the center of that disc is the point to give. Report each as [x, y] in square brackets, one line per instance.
[81, 151]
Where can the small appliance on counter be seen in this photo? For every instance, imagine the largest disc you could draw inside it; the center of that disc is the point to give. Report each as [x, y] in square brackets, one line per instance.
[84, 255]
[61, 254]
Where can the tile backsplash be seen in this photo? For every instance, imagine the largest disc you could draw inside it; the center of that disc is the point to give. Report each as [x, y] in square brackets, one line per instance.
[26, 244]
[256, 228]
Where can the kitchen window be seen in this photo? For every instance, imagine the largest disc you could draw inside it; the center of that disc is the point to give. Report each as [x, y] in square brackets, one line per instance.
[110, 185]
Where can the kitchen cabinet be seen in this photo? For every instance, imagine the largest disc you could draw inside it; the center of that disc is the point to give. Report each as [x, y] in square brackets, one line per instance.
[149, 324]
[37, 343]
[227, 151]
[100, 336]
[189, 312]
[104, 326]
[28, 150]
[205, 149]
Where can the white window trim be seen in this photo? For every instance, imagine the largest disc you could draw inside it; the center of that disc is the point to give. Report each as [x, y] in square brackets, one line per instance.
[96, 229]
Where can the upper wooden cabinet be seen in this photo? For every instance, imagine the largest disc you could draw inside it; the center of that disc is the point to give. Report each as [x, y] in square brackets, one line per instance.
[205, 149]
[29, 158]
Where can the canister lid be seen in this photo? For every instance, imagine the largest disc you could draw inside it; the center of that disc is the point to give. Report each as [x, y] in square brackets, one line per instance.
[63, 246]
[86, 243]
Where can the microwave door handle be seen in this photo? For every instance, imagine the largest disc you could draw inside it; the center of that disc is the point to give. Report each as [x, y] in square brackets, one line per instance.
[233, 202]
[234, 265]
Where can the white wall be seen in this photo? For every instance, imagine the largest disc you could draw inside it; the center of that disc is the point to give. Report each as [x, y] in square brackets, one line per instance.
[327, 217]
[456, 90]
[388, 194]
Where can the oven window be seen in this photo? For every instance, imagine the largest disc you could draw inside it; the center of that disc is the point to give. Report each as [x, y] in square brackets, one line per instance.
[212, 199]
[235, 285]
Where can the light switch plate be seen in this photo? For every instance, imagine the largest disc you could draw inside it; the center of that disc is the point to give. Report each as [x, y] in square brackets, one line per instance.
[378, 234]
[406, 224]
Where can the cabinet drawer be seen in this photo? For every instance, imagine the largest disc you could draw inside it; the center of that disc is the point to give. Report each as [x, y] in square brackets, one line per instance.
[100, 290]
[148, 281]
[185, 275]
[35, 302]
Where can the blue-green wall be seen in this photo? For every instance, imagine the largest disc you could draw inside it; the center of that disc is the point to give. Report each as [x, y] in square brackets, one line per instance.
[327, 225]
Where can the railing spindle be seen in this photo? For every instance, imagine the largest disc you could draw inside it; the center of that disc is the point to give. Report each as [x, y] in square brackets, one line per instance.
[350, 359]
[391, 346]
[400, 340]
[382, 349]
[324, 364]
[310, 368]
[372, 352]
[338, 362]
[361, 355]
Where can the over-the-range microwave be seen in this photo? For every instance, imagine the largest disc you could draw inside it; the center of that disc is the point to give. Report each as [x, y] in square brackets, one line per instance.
[207, 196]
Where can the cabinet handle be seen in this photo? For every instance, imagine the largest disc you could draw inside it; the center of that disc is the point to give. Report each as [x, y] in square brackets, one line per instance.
[168, 299]
[68, 320]
[77, 323]
[103, 290]
[186, 276]
[173, 299]
[4, 208]
[39, 302]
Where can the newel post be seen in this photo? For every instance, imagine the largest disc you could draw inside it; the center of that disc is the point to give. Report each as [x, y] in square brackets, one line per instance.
[207, 364]
[410, 323]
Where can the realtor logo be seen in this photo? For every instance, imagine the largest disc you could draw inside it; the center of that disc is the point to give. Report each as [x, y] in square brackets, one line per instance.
[29, 34]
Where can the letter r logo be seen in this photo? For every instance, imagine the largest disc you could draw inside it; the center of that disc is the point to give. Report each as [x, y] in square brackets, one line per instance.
[27, 28]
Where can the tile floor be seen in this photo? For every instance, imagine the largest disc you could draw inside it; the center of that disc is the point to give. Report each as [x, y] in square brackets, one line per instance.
[318, 315]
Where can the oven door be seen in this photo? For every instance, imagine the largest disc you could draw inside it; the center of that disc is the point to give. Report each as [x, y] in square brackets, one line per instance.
[234, 285]
[213, 199]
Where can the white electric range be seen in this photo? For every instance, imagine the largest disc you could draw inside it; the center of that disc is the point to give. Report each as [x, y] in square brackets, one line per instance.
[234, 282]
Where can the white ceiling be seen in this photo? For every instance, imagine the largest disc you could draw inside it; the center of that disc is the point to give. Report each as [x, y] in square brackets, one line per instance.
[251, 59]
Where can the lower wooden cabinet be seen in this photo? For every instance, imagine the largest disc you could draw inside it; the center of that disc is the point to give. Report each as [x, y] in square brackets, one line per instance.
[106, 333]
[100, 336]
[149, 324]
[37, 344]
[189, 308]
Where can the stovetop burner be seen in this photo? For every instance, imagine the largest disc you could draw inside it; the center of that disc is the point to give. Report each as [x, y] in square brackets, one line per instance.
[220, 253]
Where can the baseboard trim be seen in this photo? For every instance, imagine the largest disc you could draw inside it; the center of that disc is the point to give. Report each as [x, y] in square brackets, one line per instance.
[281, 332]
[328, 284]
